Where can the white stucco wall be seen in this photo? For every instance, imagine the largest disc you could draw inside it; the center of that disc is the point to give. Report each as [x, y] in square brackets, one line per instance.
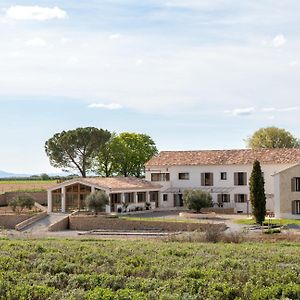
[195, 181]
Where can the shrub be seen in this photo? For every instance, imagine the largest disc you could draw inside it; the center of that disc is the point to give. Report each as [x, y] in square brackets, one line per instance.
[96, 201]
[213, 234]
[197, 199]
[20, 202]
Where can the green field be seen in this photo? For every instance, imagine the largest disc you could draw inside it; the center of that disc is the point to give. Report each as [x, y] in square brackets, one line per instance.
[267, 221]
[26, 181]
[124, 270]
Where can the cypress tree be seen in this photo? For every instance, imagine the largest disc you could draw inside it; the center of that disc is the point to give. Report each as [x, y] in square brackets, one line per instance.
[257, 193]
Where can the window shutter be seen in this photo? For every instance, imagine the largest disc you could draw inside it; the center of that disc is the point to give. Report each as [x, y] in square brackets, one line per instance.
[203, 179]
[294, 207]
[219, 198]
[167, 176]
[245, 178]
[246, 197]
[293, 184]
[236, 178]
[211, 179]
[235, 198]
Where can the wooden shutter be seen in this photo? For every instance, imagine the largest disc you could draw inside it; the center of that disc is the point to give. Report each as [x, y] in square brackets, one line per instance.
[167, 176]
[235, 198]
[203, 179]
[293, 182]
[236, 178]
[211, 179]
[246, 197]
[294, 207]
[220, 198]
[245, 178]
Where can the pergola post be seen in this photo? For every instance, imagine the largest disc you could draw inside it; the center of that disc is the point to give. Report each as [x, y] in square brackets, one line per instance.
[135, 195]
[49, 201]
[63, 199]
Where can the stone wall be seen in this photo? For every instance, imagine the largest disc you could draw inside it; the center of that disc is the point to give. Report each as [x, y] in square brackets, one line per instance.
[10, 221]
[100, 222]
[39, 197]
[60, 225]
[219, 210]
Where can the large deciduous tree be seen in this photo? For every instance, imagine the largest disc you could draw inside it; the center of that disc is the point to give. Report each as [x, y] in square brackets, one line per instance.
[126, 155]
[76, 149]
[257, 193]
[272, 137]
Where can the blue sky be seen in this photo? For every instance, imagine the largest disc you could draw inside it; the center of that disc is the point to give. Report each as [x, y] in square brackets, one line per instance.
[193, 74]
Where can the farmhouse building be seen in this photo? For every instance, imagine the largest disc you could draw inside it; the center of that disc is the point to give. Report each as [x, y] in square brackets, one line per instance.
[225, 174]
[122, 191]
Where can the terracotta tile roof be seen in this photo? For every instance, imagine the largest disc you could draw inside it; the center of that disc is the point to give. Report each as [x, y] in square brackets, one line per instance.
[225, 157]
[114, 183]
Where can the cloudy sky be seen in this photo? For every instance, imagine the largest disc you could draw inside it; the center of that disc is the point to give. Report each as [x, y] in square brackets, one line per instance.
[193, 74]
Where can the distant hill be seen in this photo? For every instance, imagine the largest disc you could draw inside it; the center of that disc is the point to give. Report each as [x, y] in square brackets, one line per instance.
[4, 174]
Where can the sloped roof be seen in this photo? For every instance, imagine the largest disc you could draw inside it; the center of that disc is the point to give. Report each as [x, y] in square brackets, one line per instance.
[225, 157]
[113, 183]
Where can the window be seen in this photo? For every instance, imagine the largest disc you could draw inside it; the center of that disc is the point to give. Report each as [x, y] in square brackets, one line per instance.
[141, 196]
[296, 184]
[183, 176]
[207, 179]
[165, 197]
[223, 175]
[129, 198]
[240, 198]
[240, 178]
[153, 196]
[223, 198]
[160, 176]
[296, 207]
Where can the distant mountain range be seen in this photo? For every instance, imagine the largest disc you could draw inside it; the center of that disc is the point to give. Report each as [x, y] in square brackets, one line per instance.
[4, 174]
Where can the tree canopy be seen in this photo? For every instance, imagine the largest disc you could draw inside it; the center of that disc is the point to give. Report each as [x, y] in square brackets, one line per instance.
[197, 199]
[76, 149]
[126, 155]
[257, 193]
[272, 137]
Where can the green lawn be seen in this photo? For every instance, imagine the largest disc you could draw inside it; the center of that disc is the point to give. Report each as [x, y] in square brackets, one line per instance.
[272, 221]
[140, 270]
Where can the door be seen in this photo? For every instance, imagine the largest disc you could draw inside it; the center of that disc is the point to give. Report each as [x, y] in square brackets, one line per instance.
[178, 200]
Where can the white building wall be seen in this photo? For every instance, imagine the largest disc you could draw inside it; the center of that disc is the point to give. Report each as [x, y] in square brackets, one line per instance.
[195, 181]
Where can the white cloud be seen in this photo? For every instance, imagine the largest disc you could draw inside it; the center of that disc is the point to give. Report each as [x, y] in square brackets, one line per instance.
[114, 36]
[139, 62]
[72, 60]
[38, 13]
[36, 42]
[111, 106]
[279, 40]
[241, 111]
[294, 63]
[285, 109]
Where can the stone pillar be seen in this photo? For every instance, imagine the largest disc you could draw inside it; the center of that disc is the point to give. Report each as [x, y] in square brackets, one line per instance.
[63, 199]
[148, 197]
[93, 189]
[49, 201]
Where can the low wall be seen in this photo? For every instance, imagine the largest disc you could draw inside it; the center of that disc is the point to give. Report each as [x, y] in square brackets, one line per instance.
[10, 221]
[31, 220]
[39, 197]
[60, 225]
[219, 210]
[97, 222]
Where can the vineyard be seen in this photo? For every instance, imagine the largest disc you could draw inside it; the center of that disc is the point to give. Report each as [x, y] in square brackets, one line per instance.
[99, 269]
[25, 185]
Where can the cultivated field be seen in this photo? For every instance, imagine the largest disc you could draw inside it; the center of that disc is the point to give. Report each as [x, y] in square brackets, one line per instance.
[25, 185]
[99, 269]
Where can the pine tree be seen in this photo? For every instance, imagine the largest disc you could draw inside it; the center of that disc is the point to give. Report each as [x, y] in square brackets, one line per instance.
[257, 193]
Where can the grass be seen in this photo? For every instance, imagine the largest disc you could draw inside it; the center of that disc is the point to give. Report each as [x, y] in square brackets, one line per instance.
[153, 270]
[272, 221]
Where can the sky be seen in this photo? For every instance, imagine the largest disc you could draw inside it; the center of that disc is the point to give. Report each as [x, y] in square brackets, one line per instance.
[192, 74]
